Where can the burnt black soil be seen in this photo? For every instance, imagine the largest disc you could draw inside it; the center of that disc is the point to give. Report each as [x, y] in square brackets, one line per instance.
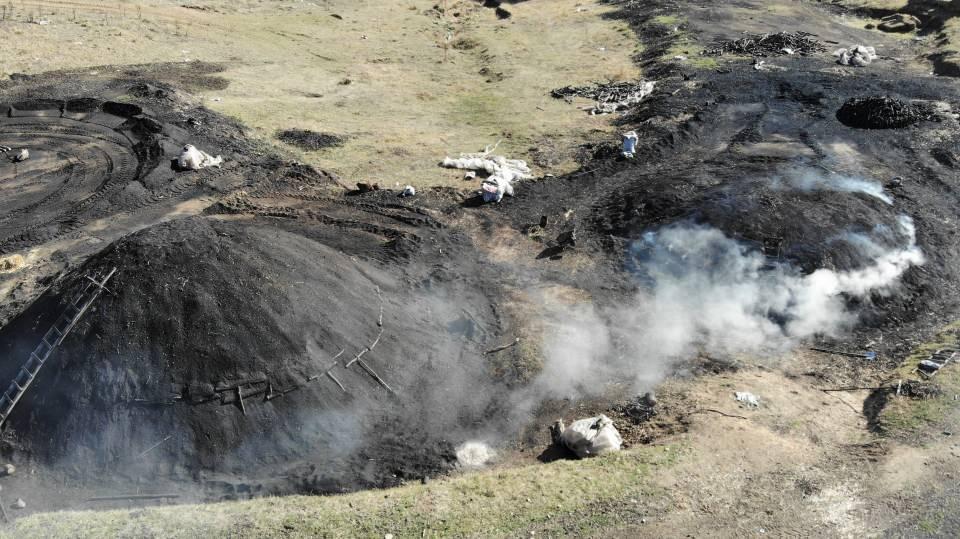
[310, 140]
[714, 140]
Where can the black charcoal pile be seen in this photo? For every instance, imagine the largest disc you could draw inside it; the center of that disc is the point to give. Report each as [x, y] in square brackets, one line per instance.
[310, 140]
[883, 113]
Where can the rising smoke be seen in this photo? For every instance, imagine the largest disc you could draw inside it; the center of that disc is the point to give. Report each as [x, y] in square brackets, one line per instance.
[703, 291]
[810, 179]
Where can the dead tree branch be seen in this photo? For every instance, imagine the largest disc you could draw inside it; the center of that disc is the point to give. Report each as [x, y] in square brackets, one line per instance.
[502, 348]
[724, 414]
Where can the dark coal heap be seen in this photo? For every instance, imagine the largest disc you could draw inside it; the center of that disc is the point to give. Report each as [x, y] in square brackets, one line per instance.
[230, 341]
[310, 140]
[883, 113]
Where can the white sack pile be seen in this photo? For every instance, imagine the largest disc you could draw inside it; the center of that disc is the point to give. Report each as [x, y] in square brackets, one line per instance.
[502, 172]
[858, 55]
[591, 437]
[193, 159]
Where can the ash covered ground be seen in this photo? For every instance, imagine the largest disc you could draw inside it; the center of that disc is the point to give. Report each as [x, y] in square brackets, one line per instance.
[248, 281]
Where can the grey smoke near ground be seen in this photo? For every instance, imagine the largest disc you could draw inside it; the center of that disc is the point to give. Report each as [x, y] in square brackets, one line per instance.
[811, 179]
[703, 291]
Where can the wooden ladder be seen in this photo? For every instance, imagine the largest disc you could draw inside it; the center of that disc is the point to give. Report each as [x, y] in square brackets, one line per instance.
[51, 339]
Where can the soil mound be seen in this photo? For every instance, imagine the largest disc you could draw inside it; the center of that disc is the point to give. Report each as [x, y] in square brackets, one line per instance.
[882, 113]
[310, 140]
[224, 355]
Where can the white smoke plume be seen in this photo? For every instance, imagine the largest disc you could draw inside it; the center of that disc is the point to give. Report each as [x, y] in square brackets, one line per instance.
[820, 180]
[704, 291]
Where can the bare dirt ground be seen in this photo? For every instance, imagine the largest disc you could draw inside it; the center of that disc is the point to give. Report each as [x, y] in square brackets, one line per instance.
[403, 82]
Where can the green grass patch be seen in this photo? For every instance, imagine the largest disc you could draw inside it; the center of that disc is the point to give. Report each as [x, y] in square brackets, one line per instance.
[909, 418]
[668, 20]
[494, 503]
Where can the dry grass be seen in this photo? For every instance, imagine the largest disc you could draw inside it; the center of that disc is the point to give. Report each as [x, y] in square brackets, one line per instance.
[409, 101]
[496, 503]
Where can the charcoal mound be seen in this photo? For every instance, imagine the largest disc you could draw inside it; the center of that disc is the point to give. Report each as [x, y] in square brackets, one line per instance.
[310, 140]
[229, 341]
[882, 113]
[778, 44]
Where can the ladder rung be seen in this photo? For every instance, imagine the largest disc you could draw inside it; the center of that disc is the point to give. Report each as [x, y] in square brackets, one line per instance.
[34, 360]
[26, 376]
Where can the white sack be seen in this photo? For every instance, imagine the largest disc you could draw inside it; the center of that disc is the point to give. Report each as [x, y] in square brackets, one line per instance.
[502, 172]
[193, 159]
[591, 437]
[858, 55]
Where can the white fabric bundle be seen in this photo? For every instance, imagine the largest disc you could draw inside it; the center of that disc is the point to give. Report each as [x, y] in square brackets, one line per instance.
[193, 159]
[502, 172]
[591, 437]
[858, 55]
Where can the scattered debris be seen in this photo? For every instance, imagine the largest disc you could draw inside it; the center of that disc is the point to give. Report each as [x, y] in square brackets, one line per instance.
[858, 55]
[936, 361]
[474, 454]
[502, 171]
[630, 140]
[5, 149]
[900, 23]
[310, 140]
[883, 113]
[641, 409]
[11, 263]
[768, 45]
[365, 187]
[591, 437]
[915, 389]
[758, 64]
[408, 191]
[862, 355]
[929, 367]
[193, 159]
[747, 399]
[610, 97]
[567, 238]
